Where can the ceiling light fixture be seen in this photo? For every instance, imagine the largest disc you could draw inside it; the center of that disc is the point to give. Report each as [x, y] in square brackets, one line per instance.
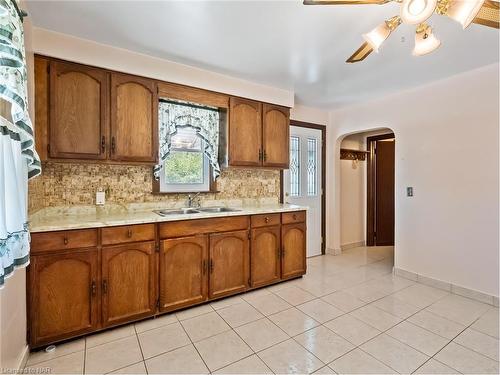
[377, 36]
[464, 11]
[414, 12]
[425, 41]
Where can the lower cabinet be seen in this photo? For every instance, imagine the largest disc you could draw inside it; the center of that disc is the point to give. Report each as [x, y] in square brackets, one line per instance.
[293, 255]
[128, 282]
[63, 295]
[229, 263]
[265, 257]
[183, 272]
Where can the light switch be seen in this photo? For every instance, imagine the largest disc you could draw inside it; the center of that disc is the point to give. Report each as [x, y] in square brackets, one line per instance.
[100, 198]
[409, 191]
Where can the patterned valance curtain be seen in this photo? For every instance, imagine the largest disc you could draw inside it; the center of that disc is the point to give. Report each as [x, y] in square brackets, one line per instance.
[18, 159]
[178, 114]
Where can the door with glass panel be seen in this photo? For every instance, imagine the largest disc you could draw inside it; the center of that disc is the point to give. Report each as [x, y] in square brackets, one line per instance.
[302, 182]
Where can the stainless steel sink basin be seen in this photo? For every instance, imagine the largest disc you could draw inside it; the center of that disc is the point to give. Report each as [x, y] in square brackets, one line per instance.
[217, 209]
[177, 211]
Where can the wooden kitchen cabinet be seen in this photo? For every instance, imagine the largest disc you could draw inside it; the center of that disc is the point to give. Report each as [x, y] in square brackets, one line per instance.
[128, 282]
[275, 136]
[265, 250]
[134, 118]
[78, 120]
[245, 132]
[183, 272]
[293, 255]
[63, 291]
[228, 263]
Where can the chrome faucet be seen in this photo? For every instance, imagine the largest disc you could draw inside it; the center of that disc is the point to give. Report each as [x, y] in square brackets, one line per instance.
[193, 199]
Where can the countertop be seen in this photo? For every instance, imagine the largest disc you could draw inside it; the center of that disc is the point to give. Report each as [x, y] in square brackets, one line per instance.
[54, 219]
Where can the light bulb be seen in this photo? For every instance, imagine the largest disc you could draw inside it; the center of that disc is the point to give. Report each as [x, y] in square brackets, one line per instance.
[464, 11]
[425, 42]
[414, 12]
[377, 36]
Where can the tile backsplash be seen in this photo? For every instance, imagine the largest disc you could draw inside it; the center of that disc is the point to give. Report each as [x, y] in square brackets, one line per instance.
[70, 184]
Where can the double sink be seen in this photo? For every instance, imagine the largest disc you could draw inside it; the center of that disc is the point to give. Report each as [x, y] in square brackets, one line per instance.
[187, 211]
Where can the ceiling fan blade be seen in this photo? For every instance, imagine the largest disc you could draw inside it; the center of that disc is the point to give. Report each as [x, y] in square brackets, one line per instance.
[345, 2]
[360, 54]
[489, 15]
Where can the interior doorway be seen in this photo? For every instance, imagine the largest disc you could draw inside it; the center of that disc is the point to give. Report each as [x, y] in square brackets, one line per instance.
[380, 190]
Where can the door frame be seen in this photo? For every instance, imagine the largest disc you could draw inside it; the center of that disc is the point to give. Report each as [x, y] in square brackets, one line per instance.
[308, 125]
[370, 186]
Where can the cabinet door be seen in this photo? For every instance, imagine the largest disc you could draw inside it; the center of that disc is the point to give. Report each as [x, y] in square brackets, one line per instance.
[229, 263]
[129, 282]
[78, 111]
[134, 119]
[183, 272]
[245, 132]
[63, 295]
[265, 256]
[276, 127]
[293, 256]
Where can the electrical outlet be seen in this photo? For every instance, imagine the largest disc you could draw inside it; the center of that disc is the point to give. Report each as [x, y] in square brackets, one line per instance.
[409, 191]
[100, 198]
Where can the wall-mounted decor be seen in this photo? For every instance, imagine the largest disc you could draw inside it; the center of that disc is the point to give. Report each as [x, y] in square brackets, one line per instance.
[348, 154]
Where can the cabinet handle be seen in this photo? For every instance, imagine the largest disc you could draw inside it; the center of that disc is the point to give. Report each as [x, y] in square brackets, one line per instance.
[260, 154]
[113, 145]
[93, 288]
[129, 233]
[266, 220]
[204, 267]
[105, 286]
[103, 143]
[211, 266]
[294, 217]
[65, 240]
[264, 155]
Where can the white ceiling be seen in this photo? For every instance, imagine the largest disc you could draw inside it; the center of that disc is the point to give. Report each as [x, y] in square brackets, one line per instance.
[279, 43]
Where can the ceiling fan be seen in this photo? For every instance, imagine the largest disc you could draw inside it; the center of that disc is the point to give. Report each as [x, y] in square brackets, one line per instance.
[417, 12]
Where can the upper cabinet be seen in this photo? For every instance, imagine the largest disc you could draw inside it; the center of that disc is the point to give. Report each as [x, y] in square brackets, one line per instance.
[258, 134]
[134, 118]
[78, 111]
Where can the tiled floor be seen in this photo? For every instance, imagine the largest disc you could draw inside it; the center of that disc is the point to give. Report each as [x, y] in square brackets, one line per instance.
[348, 315]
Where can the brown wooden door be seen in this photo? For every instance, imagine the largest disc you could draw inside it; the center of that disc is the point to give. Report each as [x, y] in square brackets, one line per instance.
[265, 265]
[129, 282]
[384, 193]
[63, 295]
[293, 256]
[276, 136]
[134, 119]
[245, 132]
[229, 263]
[78, 111]
[183, 272]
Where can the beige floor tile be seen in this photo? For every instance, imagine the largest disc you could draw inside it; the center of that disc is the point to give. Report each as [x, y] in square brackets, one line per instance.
[222, 350]
[436, 324]
[294, 295]
[359, 362]
[204, 326]
[488, 323]
[435, 367]
[396, 307]
[156, 322]
[137, 368]
[66, 364]
[324, 370]
[343, 301]
[194, 311]
[261, 292]
[163, 339]
[321, 287]
[290, 358]
[269, 304]
[479, 342]
[367, 292]
[420, 295]
[239, 314]
[375, 317]
[185, 360]
[394, 354]
[61, 349]
[466, 361]
[112, 355]
[249, 365]
[418, 338]
[320, 310]
[324, 344]
[261, 334]
[284, 285]
[352, 329]
[110, 335]
[226, 302]
[293, 321]
[459, 309]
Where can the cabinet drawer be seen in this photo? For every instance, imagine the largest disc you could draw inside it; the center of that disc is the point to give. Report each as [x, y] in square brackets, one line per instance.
[203, 226]
[128, 233]
[293, 217]
[70, 239]
[265, 220]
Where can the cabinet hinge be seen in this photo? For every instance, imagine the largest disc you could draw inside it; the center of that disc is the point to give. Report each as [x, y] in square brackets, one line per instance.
[249, 235]
[157, 248]
[249, 282]
[158, 303]
[48, 148]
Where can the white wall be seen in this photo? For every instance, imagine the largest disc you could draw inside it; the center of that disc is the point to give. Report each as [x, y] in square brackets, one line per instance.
[447, 149]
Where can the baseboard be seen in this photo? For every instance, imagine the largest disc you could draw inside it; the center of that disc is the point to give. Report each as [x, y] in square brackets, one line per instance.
[23, 358]
[333, 251]
[449, 287]
[352, 245]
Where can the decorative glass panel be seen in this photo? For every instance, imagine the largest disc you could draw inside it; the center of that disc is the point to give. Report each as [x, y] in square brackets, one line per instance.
[312, 162]
[294, 166]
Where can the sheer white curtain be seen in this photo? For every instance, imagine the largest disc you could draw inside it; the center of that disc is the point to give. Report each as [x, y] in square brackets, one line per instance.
[18, 159]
